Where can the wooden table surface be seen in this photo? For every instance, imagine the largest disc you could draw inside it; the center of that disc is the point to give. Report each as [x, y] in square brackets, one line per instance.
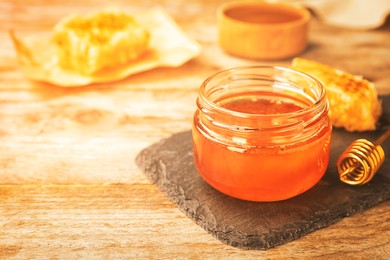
[69, 187]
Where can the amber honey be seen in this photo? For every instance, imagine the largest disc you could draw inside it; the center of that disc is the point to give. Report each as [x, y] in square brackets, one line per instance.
[261, 133]
[268, 14]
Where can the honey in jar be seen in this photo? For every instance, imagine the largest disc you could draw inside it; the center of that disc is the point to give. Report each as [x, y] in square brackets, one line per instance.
[261, 133]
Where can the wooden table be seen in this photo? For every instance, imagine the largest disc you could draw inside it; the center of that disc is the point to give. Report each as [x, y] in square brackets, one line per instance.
[69, 187]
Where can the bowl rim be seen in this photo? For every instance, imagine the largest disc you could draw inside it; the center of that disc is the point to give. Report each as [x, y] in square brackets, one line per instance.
[304, 13]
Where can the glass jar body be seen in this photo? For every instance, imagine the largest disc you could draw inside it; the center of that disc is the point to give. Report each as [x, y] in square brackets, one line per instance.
[261, 133]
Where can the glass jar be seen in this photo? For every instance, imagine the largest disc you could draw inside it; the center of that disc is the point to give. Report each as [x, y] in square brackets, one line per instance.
[261, 133]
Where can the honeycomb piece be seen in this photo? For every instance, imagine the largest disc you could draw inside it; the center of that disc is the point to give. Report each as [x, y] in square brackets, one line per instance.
[88, 44]
[354, 103]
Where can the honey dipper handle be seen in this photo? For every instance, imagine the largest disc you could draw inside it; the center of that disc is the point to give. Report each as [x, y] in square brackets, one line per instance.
[383, 137]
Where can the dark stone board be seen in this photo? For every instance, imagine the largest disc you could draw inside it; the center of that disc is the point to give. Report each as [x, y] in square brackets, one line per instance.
[262, 225]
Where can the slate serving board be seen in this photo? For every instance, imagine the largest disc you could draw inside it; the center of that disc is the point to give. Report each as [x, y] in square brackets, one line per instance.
[256, 225]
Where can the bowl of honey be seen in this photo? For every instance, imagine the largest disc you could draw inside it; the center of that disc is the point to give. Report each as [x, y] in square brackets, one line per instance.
[267, 30]
[261, 133]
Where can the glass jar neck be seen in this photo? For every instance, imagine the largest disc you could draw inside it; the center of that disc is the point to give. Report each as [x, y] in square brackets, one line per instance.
[268, 86]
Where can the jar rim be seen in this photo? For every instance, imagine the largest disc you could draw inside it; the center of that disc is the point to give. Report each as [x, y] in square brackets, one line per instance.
[320, 99]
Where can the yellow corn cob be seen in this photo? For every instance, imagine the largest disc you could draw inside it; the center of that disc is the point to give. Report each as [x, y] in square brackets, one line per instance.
[88, 44]
[354, 103]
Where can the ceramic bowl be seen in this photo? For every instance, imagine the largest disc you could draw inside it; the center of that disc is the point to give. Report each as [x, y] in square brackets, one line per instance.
[262, 29]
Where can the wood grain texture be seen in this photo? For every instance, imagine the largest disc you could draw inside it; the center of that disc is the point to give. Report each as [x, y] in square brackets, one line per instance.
[89, 136]
[97, 221]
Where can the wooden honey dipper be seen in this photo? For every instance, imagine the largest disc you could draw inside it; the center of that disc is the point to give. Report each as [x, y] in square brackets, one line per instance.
[358, 164]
